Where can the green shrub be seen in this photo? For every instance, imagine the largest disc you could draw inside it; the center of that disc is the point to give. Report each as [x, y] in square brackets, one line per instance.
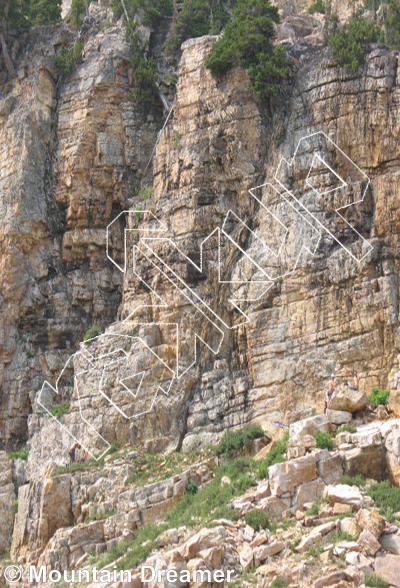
[347, 429]
[324, 440]
[257, 519]
[279, 583]
[350, 42]
[114, 447]
[248, 41]
[234, 441]
[275, 455]
[67, 59]
[314, 508]
[78, 12]
[92, 332]
[357, 480]
[375, 581]
[318, 6]
[59, 409]
[151, 12]
[191, 488]
[391, 24]
[145, 88]
[45, 12]
[378, 396]
[20, 454]
[385, 495]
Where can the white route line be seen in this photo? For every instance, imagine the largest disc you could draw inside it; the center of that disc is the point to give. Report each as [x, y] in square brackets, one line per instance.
[292, 161]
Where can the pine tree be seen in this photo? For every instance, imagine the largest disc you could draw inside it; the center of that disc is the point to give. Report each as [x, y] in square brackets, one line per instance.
[45, 12]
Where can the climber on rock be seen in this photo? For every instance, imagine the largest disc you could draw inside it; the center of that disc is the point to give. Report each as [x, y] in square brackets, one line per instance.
[74, 452]
[329, 392]
[356, 382]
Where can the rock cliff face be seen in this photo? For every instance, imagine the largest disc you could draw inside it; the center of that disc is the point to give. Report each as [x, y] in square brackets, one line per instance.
[73, 159]
[75, 154]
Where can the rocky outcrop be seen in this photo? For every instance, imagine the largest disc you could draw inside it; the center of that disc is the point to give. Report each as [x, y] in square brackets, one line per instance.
[7, 502]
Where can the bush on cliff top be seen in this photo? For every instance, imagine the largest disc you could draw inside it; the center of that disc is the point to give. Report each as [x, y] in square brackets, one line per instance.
[248, 41]
[349, 43]
[234, 441]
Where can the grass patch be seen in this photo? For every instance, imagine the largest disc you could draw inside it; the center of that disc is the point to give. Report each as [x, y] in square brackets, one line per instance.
[314, 508]
[257, 519]
[78, 467]
[347, 429]
[375, 580]
[385, 495]
[318, 6]
[208, 504]
[60, 409]
[379, 397]
[100, 516]
[275, 455]
[324, 440]
[20, 454]
[92, 332]
[234, 441]
[191, 488]
[279, 583]
[357, 480]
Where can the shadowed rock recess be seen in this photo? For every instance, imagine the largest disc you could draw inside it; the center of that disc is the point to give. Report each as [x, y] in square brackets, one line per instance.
[77, 149]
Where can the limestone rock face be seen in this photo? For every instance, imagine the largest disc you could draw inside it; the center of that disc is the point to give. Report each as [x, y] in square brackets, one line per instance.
[7, 501]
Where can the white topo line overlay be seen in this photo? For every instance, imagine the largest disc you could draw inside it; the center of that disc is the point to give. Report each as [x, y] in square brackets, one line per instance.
[159, 234]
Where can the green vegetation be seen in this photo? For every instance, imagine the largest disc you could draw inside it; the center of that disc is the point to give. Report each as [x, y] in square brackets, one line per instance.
[146, 192]
[20, 454]
[357, 480]
[26, 13]
[92, 332]
[16, 506]
[258, 519]
[234, 441]
[248, 41]
[60, 409]
[78, 466]
[385, 495]
[317, 6]
[378, 396]
[152, 12]
[314, 508]
[197, 18]
[78, 12]
[67, 59]
[375, 581]
[279, 583]
[191, 488]
[324, 440]
[208, 504]
[275, 455]
[349, 43]
[44, 12]
[100, 516]
[347, 429]
[342, 536]
[391, 24]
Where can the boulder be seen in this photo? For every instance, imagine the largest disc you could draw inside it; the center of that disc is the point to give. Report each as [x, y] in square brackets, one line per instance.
[246, 556]
[348, 400]
[338, 417]
[330, 580]
[369, 543]
[391, 543]
[359, 561]
[350, 526]
[204, 539]
[308, 492]
[330, 467]
[388, 566]
[265, 551]
[344, 494]
[284, 477]
[310, 426]
[371, 520]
